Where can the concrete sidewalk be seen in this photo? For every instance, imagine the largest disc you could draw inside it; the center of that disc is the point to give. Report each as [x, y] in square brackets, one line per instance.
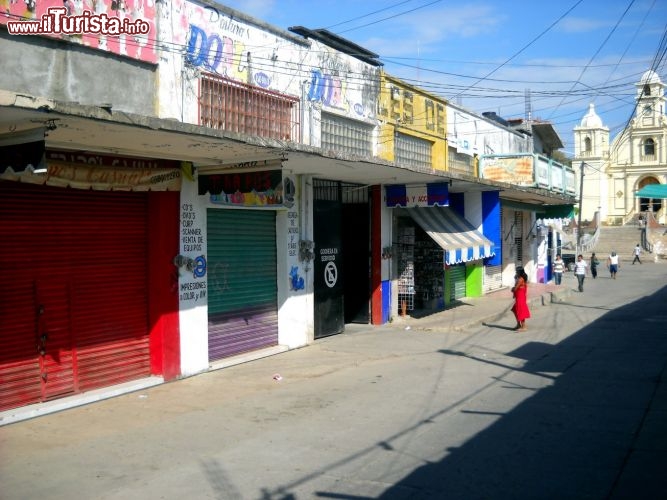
[494, 306]
[460, 316]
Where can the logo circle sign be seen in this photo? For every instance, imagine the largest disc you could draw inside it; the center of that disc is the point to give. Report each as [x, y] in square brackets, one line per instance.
[330, 274]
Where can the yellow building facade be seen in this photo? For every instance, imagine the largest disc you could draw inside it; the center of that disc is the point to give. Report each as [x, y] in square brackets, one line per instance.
[413, 125]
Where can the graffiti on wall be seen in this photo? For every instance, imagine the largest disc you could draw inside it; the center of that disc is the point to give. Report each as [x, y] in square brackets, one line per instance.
[217, 42]
[218, 54]
[213, 40]
[329, 84]
[137, 46]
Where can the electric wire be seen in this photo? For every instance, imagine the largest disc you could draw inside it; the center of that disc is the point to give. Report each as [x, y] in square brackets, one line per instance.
[604, 42]
[357, 81]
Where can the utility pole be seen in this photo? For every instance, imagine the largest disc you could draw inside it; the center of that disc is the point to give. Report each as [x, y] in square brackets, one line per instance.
[581, 196]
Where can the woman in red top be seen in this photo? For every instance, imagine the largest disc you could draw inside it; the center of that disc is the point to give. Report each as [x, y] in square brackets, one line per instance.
[520, 293]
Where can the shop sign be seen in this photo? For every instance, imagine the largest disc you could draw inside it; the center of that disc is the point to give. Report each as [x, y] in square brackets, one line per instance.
[29, 163]
[425, 195]
[109, 178]
[516, 170]
[260, 189]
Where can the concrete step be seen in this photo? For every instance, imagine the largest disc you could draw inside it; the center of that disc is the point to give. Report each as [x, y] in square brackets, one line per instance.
[620, 239]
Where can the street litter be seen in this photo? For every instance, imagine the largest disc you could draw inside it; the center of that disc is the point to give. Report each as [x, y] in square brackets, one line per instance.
[143, 396]
[277, 377]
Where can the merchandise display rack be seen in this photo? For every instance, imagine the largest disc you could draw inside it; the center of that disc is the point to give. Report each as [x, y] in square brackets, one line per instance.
[406, 268]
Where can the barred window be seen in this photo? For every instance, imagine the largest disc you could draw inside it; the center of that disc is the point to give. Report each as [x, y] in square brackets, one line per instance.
[236, 107]
[460, 163]
[412, 151]
[349, 136]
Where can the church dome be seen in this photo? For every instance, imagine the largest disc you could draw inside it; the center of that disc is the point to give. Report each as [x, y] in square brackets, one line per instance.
[649, 77]
[591, 119]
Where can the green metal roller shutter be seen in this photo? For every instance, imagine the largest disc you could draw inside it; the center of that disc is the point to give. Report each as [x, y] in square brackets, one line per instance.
[457, 275]
[242, 289]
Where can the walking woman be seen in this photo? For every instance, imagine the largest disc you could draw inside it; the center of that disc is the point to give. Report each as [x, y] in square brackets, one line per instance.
[520, 293]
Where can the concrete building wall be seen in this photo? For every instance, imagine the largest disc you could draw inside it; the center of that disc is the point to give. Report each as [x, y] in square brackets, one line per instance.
[69, 72]
[203, 37]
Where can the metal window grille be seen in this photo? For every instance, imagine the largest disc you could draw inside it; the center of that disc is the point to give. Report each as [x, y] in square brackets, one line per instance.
[518, 235]
[339, 191]
[412, 151]
[237, 107]
[349, 136]
[460, 163]
[326, 190]
[518, 243]
[354, 193]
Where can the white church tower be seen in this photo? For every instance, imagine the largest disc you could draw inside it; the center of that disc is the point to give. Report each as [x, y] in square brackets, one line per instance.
[591, 146]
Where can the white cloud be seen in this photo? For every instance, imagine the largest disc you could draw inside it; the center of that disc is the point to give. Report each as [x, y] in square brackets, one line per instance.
[582, 25]
[426, 32]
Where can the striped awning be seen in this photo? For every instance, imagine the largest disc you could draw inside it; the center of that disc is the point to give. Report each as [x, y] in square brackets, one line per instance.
[460, 240]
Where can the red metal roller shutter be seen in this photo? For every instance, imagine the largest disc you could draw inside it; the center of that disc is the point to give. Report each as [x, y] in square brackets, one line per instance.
[74, 264]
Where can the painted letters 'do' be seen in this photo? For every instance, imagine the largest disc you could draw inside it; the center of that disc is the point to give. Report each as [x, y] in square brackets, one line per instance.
[210, 50]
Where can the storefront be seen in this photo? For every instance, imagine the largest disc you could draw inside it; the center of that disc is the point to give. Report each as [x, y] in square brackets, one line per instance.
[88, 299]
[242, 259]
[341, 255]
[439, 254]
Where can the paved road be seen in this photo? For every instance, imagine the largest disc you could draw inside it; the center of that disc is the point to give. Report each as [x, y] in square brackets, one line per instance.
[574, 408]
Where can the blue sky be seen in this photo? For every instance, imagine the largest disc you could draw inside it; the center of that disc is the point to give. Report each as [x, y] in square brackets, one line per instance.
[487, 54]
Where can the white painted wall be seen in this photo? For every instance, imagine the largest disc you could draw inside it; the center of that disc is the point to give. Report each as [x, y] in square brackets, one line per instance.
[200, 38]
[193, 305]
[472, 207]
[482, 135]
[295, 309]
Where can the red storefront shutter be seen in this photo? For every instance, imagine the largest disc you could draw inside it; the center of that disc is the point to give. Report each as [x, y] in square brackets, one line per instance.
[73, 308]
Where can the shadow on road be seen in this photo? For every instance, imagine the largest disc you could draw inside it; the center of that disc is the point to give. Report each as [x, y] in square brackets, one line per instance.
[583, 436]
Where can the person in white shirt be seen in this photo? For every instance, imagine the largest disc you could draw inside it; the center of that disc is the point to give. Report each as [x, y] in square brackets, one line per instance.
[580, 268]
[613, 264]
[637, 252]
[559, 268]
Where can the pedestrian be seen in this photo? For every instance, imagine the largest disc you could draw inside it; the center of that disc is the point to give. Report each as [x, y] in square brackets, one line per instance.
[580, 271]
[613, 264]
[637, 252]
[594, 265]
[520, 293]
[559, 268]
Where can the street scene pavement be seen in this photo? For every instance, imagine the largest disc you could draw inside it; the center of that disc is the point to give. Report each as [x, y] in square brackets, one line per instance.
[453, 405]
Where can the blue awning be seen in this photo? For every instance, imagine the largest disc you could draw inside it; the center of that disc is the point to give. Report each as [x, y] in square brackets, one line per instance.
[460, 240]
[655, 191]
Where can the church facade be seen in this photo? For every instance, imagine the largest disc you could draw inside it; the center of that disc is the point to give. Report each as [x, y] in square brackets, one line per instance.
[637, 157]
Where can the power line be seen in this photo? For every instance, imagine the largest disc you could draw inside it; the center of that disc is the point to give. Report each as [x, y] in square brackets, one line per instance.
[527, 45]
[597, 51]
